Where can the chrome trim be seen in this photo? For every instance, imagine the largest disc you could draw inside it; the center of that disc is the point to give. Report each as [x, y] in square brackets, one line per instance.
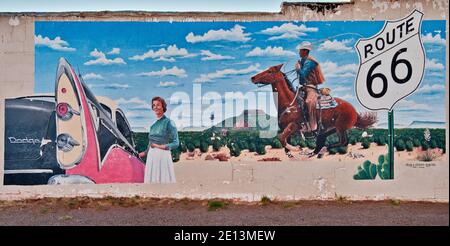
[29, 171]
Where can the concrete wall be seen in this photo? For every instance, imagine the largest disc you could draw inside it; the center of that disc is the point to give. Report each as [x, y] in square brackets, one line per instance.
[248, 182]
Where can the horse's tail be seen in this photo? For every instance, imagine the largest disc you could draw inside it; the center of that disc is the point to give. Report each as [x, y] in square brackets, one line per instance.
[366, 120]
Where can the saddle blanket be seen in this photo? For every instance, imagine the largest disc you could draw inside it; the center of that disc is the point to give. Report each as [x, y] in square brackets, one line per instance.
[326, 102]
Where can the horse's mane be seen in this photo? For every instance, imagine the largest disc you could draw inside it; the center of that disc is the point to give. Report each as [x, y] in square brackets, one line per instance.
[288, 82]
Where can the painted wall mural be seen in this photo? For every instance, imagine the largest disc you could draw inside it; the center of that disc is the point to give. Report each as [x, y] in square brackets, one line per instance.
[229, 94]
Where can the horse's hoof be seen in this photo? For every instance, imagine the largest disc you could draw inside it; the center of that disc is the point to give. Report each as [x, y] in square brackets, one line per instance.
[310, 155]
[319, 156]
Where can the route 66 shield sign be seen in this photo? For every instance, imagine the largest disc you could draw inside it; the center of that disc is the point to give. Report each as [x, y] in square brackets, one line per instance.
[392, 63]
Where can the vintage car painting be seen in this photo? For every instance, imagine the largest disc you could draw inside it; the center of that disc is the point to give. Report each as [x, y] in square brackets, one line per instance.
[69, 137]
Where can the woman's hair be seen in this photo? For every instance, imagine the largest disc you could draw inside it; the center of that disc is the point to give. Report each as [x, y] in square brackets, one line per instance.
[162, 101]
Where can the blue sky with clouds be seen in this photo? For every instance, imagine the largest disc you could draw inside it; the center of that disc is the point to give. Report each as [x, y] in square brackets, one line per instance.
[131, 62]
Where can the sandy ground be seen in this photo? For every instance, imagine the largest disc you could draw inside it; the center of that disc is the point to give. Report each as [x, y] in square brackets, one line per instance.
[371, 153]
[138, 211]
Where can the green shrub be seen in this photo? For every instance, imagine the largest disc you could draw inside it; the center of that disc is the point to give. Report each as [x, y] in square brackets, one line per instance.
[380, 140]
[433, 144]
[365, 144]
[293, 141]
[276, 144]
[235, 151]
[352, 141]
[400, 145]
[425, 145]
[196, 143]
[311, 145]
[332, 151]
[190, 147]
[216, 145]
[342, 150]
[176, 155]
[409, 145]
[416, 142]
[302, 143]
[252, 147]
[243, 144]
[261, 149]
[183, 147]
[204, 147]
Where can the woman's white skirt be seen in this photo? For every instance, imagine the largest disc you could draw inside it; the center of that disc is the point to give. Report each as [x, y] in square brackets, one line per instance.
[159, 167]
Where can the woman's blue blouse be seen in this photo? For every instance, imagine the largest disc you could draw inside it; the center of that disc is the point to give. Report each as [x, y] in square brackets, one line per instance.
[164, 131]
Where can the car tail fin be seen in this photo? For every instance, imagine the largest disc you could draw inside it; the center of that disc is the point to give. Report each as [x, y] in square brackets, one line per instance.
[70, 126]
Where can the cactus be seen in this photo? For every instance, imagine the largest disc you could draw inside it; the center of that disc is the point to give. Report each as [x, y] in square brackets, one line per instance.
[383, 167]
[367, 170]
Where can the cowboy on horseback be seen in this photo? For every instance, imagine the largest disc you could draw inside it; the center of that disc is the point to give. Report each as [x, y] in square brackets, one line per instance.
[309, 76]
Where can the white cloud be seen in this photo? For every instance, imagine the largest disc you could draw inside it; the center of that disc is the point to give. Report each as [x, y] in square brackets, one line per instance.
[346, 97]
[102, 60]
[164, 54]
[409, 105]
[436, 74]
[174, 71]
[93, 76]
[288, 31]
[55, 44]
[429, 89]
[336, 46]
[340, 88]
[162, 58]
[433, 64]
[114, 51]
[167, 84]
[332, 70]
[269, 51]
[226, 72]
[235, 34]
[209, 56]
[284, 36]
[430, 39]
[119, 75]
[133, 103]
[113, 86]
[134, 100]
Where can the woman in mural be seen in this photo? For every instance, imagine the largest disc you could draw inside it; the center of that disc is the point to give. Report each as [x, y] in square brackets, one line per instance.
[163, 137]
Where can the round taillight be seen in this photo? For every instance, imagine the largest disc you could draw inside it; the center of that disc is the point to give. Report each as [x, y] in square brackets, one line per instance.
[62, 109]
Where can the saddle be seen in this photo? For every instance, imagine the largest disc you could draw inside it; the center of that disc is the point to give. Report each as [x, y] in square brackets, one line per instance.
[324, 101]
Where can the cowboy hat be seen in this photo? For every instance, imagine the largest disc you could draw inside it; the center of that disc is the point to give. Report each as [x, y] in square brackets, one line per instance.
[305, 46]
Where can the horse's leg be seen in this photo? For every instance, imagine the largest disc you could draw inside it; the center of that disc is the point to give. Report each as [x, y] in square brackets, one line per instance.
[343, 139]
[291, 127]
[320, 141]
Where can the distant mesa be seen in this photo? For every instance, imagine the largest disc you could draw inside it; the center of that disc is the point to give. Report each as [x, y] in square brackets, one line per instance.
[416, 124]
[427, 124]
[249, 119]
[139, 129]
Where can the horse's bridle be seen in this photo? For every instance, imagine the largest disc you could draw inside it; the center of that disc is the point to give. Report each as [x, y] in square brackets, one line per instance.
[272, 78]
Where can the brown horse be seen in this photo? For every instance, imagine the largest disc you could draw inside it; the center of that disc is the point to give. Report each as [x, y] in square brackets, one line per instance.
[290, 115]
